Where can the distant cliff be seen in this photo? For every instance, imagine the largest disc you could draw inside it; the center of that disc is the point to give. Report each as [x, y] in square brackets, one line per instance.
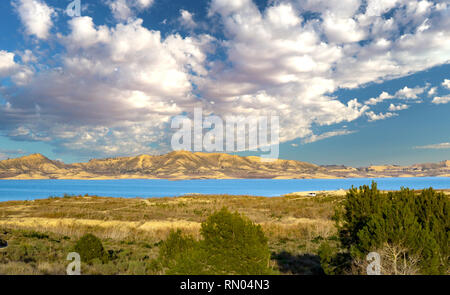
[187, 165]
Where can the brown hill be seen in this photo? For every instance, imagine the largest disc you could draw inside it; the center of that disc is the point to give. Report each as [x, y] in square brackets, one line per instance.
[196, 165]
[187, 165]
[35, 163]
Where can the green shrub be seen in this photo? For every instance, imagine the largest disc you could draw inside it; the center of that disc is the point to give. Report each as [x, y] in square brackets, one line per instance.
[327, 254]
[231, 244]
[90, 247]
[175, 246]
[193, 261]
[235, 245]
[408, 229]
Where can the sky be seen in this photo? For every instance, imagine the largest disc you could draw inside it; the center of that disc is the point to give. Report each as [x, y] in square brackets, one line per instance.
[354, 82]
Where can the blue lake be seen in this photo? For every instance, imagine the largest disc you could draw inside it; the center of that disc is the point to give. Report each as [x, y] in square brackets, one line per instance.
[129, 188]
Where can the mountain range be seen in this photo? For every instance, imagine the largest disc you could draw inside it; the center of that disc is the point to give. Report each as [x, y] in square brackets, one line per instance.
[187, 165]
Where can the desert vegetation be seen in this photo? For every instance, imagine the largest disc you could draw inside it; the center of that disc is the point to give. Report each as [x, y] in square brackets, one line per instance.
[204, 234]
[230, 244]
[409, 230]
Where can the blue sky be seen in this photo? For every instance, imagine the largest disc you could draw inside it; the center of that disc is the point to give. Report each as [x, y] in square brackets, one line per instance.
[354, 82]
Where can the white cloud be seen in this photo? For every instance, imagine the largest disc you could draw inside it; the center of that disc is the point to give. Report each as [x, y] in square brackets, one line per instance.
[410, 93]
[27, 56]
[404, 93]
[375, 100]
[117, 86]
[7, 63]
[438, 146]
[432, 91]
[186, 19]
[120, 9]
[441, 99]
[19, 74]
[398, 54]
[399, 107]
[283, 15]
[446, 83]
[124, 9]
[290, 65]
[278, 65]
[314, 137]
[375, 117]
[144, 3]
[120, 87]
[342, 30]
[36, 16]
[23, 75]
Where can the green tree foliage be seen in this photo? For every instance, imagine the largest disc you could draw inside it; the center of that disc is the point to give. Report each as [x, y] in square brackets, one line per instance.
[407, 228]
[235, 245]
[90, 247]
[179, 253]
[327, 256]
[231, 244]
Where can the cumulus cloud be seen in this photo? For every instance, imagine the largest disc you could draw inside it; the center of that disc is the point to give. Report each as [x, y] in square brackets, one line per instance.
[441, 99]
[278, 64]
[382, 97]
[28, 56]
[446, 83]
[432, 91]
[187, 19]
[19, 74]
[342, 30]
[410, 93]
[279, 58]
[375, 117]
[117, 86]
[405, 93]
[393, 107]
[7, 63]
[36, 16]
[125, 9]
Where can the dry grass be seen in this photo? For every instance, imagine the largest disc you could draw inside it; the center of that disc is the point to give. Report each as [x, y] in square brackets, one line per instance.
[293, 224]
[190, 208]
[117, 218]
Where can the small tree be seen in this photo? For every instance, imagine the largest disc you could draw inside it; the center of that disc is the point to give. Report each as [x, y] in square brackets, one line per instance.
[177, 253]
[409, 230]
[231, 244]
[90, 247]
[235, 245]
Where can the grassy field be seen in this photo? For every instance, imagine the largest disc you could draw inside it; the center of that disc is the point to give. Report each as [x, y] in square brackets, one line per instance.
[41, 233]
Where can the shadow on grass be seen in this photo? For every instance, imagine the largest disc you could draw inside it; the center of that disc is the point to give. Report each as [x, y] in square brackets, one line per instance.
[305, 264]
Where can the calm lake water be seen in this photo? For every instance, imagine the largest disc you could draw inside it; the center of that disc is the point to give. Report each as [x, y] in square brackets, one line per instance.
[129, 188]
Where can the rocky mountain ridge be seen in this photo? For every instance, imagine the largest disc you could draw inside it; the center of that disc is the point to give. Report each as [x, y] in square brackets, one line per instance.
[187, 165]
